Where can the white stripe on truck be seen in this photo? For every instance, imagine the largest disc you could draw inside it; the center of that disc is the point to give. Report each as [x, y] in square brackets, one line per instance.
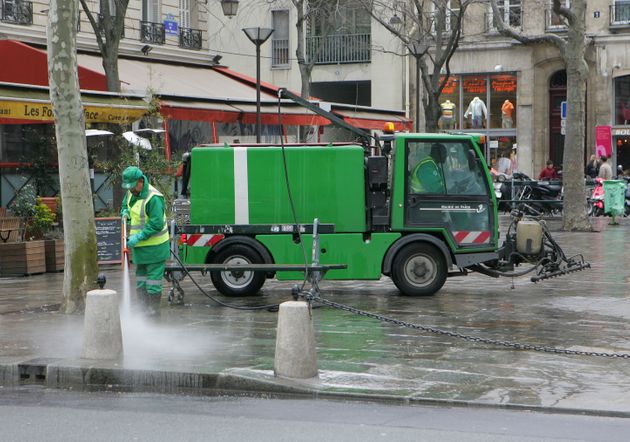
[241, 195]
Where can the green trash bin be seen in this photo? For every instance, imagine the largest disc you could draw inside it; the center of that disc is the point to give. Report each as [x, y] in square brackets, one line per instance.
[614, 197]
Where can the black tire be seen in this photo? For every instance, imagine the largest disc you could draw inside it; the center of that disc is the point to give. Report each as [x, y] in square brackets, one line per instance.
[419, 269]
[238, 283]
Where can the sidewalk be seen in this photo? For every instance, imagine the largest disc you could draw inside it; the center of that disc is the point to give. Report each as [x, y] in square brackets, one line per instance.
[204, 348]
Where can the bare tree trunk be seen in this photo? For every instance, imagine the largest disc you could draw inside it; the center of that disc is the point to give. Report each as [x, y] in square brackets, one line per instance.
[80, 268]
[574, 211]
[110, 65]
[305, 66]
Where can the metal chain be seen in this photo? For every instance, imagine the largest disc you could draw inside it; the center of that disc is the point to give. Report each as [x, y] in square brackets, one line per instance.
[514, 345]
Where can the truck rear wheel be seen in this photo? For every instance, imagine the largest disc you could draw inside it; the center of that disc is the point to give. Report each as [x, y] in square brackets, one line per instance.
[238, 283]
[419, 269]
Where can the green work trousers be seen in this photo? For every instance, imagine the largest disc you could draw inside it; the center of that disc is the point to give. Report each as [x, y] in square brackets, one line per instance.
[149, 278]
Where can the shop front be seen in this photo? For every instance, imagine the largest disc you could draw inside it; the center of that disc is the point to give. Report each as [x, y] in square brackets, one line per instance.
[621, 129]
[28, 152]
[486, 104]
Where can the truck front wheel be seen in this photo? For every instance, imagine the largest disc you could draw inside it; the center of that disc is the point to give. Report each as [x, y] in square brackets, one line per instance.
[419, 269]
[238, 282]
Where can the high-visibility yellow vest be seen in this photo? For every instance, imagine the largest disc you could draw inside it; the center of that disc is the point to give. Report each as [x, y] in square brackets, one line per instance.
[138, 220]
[426, 177]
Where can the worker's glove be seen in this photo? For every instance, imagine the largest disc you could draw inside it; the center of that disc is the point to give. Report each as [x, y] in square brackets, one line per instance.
[125, 214]
[134, 239]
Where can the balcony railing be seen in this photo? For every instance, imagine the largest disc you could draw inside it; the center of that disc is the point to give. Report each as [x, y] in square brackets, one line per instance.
[620, 14]
[17, 12]
[553, 22]
[347, 48]
[190, 39]
[152, 33]
[514, 20]
[279, 53]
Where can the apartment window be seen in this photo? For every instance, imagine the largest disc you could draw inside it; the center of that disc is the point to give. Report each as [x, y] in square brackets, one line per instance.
[151, 26]
[444, 14]
[184, 13]
[511, 13]
[17, 12]
[338, 32]
[151, 11]
[620, 13]
[555, 21]
[280, 39]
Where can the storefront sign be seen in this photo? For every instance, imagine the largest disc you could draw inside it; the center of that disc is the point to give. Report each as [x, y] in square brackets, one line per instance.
[450, 87]
[603, 141]
[503, 83]
[475, 85]
[42, 111]
[620, 132]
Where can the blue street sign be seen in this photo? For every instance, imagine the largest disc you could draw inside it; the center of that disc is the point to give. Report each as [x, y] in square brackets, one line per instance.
[563, 110]
[170, 27]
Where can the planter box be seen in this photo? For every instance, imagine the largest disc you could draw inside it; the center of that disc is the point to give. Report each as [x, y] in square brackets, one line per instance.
[22, 258]
[54, 255]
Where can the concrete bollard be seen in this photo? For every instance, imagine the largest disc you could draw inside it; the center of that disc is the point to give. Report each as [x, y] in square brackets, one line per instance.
[102, 336]
[295, 342]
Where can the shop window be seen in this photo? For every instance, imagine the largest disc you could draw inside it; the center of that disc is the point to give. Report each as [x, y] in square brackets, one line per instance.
[475, 91]
[622, 100]
[503, 101]
[22, 143]
[449, 100]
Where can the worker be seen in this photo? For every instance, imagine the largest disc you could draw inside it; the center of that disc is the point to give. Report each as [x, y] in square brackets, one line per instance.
[426, 176]
[144, 207]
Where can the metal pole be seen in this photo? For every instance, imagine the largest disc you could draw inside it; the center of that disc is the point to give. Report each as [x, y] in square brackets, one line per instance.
[417, 94]
[257, 93]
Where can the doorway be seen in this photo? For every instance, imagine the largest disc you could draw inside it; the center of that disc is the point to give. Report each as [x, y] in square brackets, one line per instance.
[557, 94]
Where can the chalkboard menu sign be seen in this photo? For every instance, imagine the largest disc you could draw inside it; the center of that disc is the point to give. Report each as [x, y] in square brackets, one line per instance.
[109, 240]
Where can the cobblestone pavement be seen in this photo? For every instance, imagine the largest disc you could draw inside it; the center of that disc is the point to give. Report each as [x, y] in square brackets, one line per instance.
[588, 310]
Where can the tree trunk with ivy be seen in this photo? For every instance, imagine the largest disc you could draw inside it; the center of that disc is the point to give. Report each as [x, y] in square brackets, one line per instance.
[80, 269]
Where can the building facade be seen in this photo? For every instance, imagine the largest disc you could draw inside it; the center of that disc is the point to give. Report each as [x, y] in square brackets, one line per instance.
[533, 80]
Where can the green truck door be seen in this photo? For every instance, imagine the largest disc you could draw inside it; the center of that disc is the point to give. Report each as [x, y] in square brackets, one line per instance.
[446, 187]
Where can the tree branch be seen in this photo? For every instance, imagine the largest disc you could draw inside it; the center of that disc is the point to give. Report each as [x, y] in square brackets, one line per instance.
[525, 39]
[94, 23]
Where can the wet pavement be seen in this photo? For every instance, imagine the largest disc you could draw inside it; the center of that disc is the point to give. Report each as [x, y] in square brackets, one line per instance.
[201, 346]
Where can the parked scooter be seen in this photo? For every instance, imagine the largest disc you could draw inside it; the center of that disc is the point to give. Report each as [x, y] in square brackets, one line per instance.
[596, 201]
[543, 196]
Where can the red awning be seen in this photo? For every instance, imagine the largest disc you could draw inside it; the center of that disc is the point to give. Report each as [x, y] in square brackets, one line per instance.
[246, 113]
[24, 64]
[374, 120]
[198, 111]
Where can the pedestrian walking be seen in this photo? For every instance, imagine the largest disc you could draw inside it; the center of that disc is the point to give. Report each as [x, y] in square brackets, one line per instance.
[605, 170]
[592, 167]
[144, 207]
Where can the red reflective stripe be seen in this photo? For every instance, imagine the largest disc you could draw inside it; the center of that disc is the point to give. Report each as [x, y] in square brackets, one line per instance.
[483, 237]
[460, 236]
[215, 239]
[192, 238]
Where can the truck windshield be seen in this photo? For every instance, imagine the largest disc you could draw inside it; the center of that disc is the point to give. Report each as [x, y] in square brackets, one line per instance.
[448, 168]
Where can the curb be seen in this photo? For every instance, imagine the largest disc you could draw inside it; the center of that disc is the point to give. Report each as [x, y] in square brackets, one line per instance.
[85, 375]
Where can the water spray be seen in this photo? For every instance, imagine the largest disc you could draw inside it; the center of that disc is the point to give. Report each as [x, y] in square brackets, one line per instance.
[126, 305]
[125, 250]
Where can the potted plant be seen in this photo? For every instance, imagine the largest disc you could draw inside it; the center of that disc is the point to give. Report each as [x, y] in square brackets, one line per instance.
[27, 255]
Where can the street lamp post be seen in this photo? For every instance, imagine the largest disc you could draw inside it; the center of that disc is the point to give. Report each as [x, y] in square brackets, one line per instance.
[258, 36]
